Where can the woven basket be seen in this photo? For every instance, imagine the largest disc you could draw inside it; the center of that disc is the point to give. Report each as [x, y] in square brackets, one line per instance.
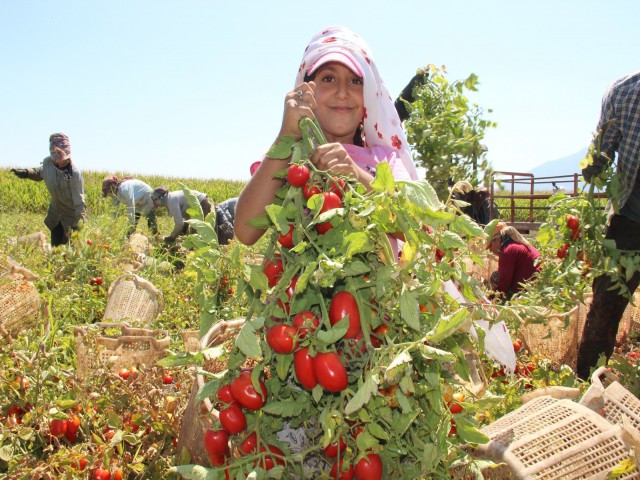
[629, 323]
[191, 339]
[98, 347]
[555, 439]
[553, 340]
[198, 415]
[36, 240]
[131, 297]
[19, 298]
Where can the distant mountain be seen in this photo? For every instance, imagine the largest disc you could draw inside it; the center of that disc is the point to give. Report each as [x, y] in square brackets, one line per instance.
[562, 166]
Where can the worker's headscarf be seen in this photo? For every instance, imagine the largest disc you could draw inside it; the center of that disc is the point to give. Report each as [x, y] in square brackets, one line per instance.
[110, 184]
[381, 123]
[61, 141]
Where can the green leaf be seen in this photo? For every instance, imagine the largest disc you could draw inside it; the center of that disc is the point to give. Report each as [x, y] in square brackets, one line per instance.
[247, 341]
[362, 396]
[384, 181]
[409, 310]
[335, 333]
[448, 325]
[357, 242]
[281, 150]
[285, 408]
[468, 432]
[195, 472]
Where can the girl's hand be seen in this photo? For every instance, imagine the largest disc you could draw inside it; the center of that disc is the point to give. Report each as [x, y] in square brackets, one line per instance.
[298, 103]
[334, 158]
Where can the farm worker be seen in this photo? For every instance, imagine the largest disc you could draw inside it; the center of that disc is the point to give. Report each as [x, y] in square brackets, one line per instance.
[483, 209]
[177, 205]
[555, 188]
[135, 195]
[337, 81]
[620, 122]
[517, 259]
[420, 78]
[67, 207]
[225, 215]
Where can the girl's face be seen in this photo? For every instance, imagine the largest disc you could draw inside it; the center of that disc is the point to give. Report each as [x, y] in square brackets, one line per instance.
[340, 101]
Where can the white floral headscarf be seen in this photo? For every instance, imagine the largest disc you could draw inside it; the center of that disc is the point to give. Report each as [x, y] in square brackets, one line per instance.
[381, 123]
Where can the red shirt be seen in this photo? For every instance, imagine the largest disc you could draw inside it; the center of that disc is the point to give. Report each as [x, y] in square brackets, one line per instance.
[516, 265]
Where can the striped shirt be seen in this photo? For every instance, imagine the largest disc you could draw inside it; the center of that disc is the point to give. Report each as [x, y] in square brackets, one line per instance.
[621, 102]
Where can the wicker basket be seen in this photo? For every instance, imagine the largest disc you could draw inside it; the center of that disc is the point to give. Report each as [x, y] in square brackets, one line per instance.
[198, 415]
[555, 439]
[98, 347]
[553, 340]
[131, 297]
[191, 339]
[19, 298]
[37, 240]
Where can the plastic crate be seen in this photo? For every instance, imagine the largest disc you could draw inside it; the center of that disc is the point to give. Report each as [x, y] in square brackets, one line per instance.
[555, 439]
[611, 400]
[117, 345]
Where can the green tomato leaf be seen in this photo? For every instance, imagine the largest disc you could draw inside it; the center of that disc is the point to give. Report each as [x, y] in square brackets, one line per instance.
[384, 181]
[448, 325]
[362, 396]
[409, 309]
[335, 333]
[468, 432]
[285, 408]
[357, 242]
[281, 150]
[247, 341]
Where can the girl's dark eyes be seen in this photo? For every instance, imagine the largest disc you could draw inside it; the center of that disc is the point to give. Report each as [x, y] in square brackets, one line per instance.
[332, 78]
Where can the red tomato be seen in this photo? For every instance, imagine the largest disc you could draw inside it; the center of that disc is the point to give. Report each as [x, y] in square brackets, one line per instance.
[58, 427]
[124, 373]
[562, 251]
[101, 474]
[331, 201]
[216, 442]
[344, 474]
[225, 397]
[217, 459]
[89, 242]
[286, 240]
[273, 270]
[309, 191]
[337, 187]
[330, 371]
[243, 391]
[297, 175]
[282, 338]
[73, 425]
[233, 419]
[118, 474]
[81, 465]
[269, 461]
[455, 408]
[378, 335]
[517, 345]
[344, 304]
[369, 467]
[303, 364]
[323, 228]
[573, 222]
[99, 281]
[303, 320]
[250, 444]
[575, 234]
[167, 379]
[333, 449]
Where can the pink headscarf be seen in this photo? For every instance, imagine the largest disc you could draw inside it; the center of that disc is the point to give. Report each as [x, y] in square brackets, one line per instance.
[382, 126]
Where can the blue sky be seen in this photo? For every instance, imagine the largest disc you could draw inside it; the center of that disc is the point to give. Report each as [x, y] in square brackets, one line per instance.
[195, 88]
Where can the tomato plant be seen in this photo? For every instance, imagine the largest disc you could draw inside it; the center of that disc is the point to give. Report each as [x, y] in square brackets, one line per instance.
[250, 444]
[303, 364]
[286, 239]
[273, 270]
[572, 222]
[304, 322]
[58, 427]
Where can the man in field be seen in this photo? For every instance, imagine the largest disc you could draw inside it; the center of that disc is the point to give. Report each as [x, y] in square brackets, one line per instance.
[620, 126]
